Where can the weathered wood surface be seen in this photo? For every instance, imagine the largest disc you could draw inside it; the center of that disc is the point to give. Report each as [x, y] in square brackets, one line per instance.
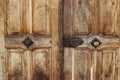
[40, 21]
[28, 16]
[41, 61]
[2, 42]
[87, 20]
[38, 41]
[86, 62]
[91, 17]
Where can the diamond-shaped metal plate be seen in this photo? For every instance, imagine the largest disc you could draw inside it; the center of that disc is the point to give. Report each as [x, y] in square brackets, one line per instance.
[95, 42]
[28, 42]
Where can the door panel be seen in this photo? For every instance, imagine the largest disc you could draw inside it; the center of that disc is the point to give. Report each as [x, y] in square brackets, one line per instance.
[2, 43]
[41, 16]
[29, 39]
[108, 12]
[81, 17]
[93, 22]
[41, 64]
[83, 63]
[14, 64]
[13, 16]
[91, 17]
[84, 21]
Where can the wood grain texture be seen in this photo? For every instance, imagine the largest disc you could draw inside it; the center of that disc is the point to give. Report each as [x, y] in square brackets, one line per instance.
[41, 16]
[27, 16]
[41, 64]
[22, 19]
[108, 65]
[81, 17]
[68, 63]
[27, 65]
[85, 16]
[2, 42]
[91, 17]
[82, 64]
[13, 16]
[68, 17]
[17, 41]
[55, 23]
[118, 19]
[108, 11]
[101, 63]
[14, 64]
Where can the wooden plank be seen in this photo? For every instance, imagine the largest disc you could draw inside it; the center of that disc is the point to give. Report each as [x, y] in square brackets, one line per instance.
[108, 11]
[41, 16]
[118, 64]
[14, 64]
[2, 43]
[68, 17]
[85, 16]
[97, 65]
[108, 64]
[13, 16]
[27, 65]
[41, 64]
[27, 16]
[68, 63]
[82, 64]
[118, 19]
[17, 41]
[55, 24]
[107, 42]
[81, 17]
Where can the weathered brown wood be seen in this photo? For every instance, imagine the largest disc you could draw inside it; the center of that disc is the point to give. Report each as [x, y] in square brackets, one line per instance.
[68, 63]
[13, 15]
[41, 16]
[20, 20]
[85, 16]
[17, 41]
[108, 12]
[106, 41]
[14, 64]
[41, 64]
[2, 42]
[82, 64]
[108, 65]
[97, 67]
[117, 63]
[118, 19]
[27, 65]
[81, 17]
[55, 24]
[26, 16]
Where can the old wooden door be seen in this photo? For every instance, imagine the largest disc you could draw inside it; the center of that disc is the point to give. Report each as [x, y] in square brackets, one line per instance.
[91, 40]
[29, 39]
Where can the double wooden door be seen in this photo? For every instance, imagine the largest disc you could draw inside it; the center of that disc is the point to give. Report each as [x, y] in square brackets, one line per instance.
[59, 39]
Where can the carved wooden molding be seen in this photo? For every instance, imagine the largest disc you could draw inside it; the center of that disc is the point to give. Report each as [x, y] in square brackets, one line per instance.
[18, 41]
[104, 42]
